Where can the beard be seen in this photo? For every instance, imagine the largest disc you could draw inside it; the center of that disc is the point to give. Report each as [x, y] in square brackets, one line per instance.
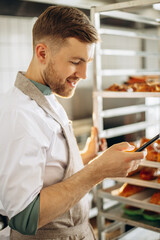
[57, 84]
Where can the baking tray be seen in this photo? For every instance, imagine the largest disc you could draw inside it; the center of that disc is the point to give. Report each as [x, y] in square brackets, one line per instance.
[112, 94]
[136, 180]
[140, 200]
[148, 163]
[116, 213]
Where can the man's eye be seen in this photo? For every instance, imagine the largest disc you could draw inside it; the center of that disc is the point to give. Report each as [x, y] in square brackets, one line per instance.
[75, 63]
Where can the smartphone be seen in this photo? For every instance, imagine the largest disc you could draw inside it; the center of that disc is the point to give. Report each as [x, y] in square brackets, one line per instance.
[148, 143]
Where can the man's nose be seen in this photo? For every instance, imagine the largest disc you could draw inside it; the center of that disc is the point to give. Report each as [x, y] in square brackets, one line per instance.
[82, 71]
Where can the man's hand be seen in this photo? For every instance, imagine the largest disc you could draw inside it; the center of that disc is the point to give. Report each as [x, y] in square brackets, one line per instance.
[93, 145]
[118, 160]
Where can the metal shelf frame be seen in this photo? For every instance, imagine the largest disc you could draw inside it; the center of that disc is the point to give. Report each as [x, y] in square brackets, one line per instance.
[119, 11]
[126, 129]
[130, 17]
[110, 94]
[130, 53]
[125, 72]
[127, 33]
[124, 5]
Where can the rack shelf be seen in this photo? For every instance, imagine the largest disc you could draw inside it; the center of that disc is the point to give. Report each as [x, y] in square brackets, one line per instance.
[124, 72]
[130, 128]
[117, 213]
[128, 34]
[124, 5]
[140, 200]
[148, 163]
[131, 17]
[110, 94]
[135, 179]
[136, 43]
[129, 53]
[121, 111]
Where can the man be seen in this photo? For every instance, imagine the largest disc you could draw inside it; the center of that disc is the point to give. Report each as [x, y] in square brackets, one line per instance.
[42, 179]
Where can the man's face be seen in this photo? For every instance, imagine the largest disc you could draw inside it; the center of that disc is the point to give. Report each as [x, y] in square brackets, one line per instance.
[65, 68]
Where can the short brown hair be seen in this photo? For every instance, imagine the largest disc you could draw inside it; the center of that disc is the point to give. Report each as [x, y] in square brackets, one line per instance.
[60, 22]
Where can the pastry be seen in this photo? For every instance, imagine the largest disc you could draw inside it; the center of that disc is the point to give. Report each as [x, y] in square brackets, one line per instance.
[138, 84]
[131, 210]
[117, 87]
[127, 190]
[135, 171]
[148, 173]
[150, 215]
[152, 155]
[136, 79]
[155, 198]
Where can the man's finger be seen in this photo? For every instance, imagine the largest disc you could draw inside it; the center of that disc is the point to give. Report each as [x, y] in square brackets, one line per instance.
[132, 156]
[94, 132]
[124, 146]
[103, 144]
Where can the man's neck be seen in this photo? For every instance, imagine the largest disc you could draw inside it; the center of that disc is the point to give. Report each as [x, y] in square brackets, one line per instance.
[34, 73]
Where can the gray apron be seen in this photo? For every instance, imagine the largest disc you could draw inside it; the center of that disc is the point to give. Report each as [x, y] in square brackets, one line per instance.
[72, 225]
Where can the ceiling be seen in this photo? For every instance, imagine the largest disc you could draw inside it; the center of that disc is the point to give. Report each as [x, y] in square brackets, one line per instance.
[32, 8]
[21, 8]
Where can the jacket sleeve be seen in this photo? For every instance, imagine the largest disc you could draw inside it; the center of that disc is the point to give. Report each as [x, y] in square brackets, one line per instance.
[23, 147]
[26, 222]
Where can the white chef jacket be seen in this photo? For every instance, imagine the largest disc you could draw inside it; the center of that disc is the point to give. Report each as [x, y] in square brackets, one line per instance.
[30, 157]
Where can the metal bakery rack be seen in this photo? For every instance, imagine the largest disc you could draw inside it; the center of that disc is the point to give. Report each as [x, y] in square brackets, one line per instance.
[130, 20]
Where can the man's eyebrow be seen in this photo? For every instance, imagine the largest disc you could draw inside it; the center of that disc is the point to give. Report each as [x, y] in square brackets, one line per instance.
[82, 59]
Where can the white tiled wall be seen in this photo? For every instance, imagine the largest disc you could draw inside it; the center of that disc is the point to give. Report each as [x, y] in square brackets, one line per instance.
[15, 48]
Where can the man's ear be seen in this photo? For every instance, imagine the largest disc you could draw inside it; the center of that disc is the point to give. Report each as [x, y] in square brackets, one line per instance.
[41, 52]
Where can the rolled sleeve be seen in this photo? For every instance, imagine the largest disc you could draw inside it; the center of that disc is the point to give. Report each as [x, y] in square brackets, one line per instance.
[26, 222]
